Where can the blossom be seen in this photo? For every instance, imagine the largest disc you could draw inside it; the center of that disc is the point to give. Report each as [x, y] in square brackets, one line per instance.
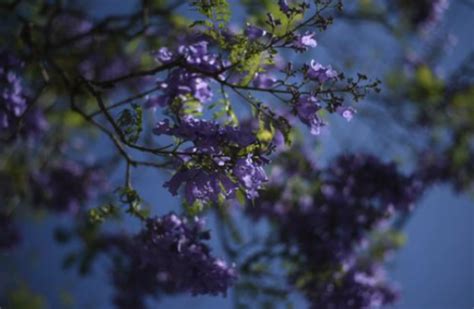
[201, 90]
[100, 67]
[321, 73]
[359, 192]
[164, 55]
[201, 185]
[306, 109]
[168, 255]
[354, 288]
[34, 123]
[14, 111]
[209, 138]
[346, 112]
[283, 4]
[157, 101]
[254, 32]
[305, 41]
[425, 14]
[263, 81]
[184, 81]
[250, 175]
[70, 27]
[66, 186]
[12, 98]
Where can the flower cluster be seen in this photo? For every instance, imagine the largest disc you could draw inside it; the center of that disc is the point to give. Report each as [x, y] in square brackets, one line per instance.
[354, 288]
[101, 67]
[13, 101]
[208, 137]
[320, 73]
[306, 106]
[210, 168]
[220, 173]
[34, 123]
[306, 110]
[425, 13]
[191, 78]
[201, 185]
[355, 178]
[72, 28]
[326, 214]
[12, 98]
[169, 256]
[66, 186]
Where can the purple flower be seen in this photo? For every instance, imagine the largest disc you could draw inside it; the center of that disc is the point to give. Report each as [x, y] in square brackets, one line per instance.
[73, 28]
[303, 203]
[306, 109]
[66, 186]
[99, 67]
[14, 113]
[182, 81]
[250, 175]
[283, 4]
[201, 185]
[346, 112]
[321, 73]
[206, 184]
[194, 53]
[253, 32]
[12, 99]
[207, 136]
[169, 255]
[162, 127]
[157, 101]
[198, 55]
[355, 288]
[164, 55]
[424, 14]
[435, 15]
[201, 90]
[305, 41]
[241, 136]
[263, 81]
[210, 139]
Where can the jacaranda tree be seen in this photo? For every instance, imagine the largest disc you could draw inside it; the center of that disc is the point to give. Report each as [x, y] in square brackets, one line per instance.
[228, 101]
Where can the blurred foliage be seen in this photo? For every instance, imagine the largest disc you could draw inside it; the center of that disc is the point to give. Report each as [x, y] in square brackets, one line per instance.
[23, 297]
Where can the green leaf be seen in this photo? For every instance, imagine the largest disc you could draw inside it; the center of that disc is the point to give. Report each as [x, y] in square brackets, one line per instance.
[130, 122]
[216, 10]
[131, 198]
[428, 88]
[23, 298]
[99, 214]
[240, 196]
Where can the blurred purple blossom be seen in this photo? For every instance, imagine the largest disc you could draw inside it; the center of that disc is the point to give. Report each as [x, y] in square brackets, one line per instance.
[169, 255]
[66, 186]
